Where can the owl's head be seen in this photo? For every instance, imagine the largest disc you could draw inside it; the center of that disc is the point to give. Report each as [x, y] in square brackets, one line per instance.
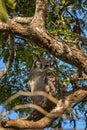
[37, 63]
[41, 63]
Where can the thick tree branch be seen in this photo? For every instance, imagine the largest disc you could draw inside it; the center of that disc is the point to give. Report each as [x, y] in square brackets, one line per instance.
[61, 50]
[75, 97]
[37, 33]
[40, 14]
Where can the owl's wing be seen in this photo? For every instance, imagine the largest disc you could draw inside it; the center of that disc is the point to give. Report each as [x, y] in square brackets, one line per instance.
[50, 87]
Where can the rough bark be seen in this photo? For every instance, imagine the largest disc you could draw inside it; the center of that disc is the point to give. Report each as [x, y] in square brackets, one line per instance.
[36, 32]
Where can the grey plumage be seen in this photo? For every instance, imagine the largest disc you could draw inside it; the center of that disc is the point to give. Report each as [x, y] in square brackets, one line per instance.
[42, 78]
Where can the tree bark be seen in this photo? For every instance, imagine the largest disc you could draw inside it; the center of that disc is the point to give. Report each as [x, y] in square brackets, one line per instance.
[36, 32]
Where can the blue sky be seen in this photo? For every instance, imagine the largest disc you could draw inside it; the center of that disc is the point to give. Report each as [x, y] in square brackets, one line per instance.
[2, 65]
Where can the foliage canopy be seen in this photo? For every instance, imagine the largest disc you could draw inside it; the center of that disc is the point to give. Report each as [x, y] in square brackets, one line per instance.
[65, 21]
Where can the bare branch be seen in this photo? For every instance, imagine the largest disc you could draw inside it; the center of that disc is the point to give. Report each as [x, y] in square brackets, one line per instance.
[20, 123]
[30, 106]
[24, 106]
[38, 93]
[40, 14]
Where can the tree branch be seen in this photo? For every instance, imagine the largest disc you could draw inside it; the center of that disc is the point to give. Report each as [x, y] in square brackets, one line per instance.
[38, 93]
[62, 105]
[40, 14]
[24, 106]
[23, 20]
[61, 50]
[11, 57]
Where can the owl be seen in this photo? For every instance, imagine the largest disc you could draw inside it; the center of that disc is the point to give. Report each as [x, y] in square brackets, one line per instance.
[42, 78]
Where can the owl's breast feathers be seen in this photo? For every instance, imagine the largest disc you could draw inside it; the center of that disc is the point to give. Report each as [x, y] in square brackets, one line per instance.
[42, 81]
[36, 80]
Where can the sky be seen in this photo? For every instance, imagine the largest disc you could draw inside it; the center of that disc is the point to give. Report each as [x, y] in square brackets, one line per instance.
[2, 65]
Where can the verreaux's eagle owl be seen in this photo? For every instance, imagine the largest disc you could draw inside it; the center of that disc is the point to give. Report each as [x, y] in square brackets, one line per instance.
[42, 78]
